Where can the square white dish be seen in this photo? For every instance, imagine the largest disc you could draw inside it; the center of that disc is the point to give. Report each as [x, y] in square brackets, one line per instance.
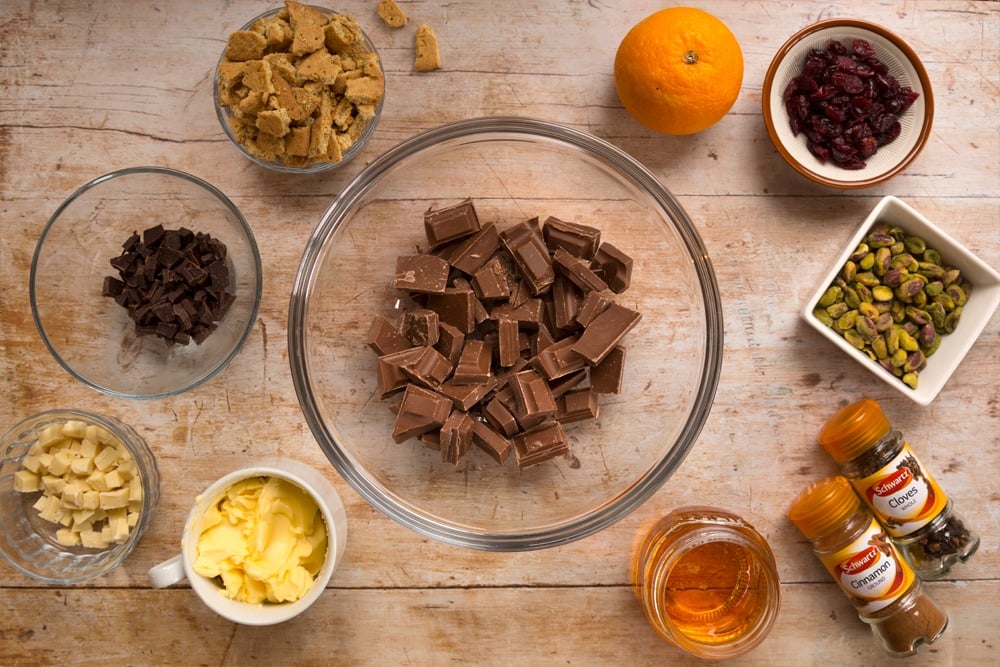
[976, 313]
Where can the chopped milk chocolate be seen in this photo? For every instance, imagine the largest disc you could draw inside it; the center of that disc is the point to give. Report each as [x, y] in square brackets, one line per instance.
[512, 333]
[174, 283]
[300, 86]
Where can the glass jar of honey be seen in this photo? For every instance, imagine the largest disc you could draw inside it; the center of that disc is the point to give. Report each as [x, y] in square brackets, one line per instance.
[707, 582]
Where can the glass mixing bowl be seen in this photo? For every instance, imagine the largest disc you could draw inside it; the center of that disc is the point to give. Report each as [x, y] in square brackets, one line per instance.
[513, 169]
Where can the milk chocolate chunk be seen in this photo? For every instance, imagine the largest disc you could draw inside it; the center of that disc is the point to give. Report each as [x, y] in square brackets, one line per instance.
[473, 252]
[450, 223]
[541, 443]
[421, 410]
[576, 406]
[606, 377]
[384, 338]
[429, 368]
[531, 257]
[455, 436]
[565, 303]
[421, 327]
[533, 396]
[559, 359]
[578, 240]
[421, 273]
[456, 307]
[450, 342]
[614, 266]
[593, 305]
[500, 418]
[530, 313]
[389, 375]
[474, 364]
[578, 272]
[566, 383]
[491, 442]
[508, 341]
[604, 332]
[467, 396]
[490, 281]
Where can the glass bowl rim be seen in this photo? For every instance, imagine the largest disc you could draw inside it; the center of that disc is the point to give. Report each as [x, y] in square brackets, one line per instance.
[501, 128]
[222, 113]
[160, 171]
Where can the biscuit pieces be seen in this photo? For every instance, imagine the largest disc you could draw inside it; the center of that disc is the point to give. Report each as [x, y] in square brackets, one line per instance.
[300, 86]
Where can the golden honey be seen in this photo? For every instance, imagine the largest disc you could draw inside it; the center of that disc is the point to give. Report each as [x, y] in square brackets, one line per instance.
[707, 582]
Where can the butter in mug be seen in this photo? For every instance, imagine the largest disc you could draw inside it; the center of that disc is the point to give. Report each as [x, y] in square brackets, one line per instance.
[265, 539]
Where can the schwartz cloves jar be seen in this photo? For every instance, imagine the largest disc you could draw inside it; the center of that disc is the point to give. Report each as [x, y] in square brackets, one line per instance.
[900, 491]
[707, 582]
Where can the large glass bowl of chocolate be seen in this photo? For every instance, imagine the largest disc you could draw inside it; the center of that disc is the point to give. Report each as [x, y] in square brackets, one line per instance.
[505, 334]
[145, 282]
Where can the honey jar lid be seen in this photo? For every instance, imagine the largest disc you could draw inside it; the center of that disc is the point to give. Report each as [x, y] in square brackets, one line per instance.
[823, 505]
[853, 429]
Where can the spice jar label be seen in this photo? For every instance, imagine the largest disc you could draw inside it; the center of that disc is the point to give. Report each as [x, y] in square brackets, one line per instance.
[901, 494]
[870, 571]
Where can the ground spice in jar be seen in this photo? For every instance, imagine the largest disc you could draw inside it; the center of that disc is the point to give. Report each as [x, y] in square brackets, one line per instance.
[904, 496]
[866, 565]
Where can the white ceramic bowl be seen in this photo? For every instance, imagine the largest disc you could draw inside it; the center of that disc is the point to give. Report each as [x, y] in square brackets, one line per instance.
[902, 63]
[976, 313]
[181, 566]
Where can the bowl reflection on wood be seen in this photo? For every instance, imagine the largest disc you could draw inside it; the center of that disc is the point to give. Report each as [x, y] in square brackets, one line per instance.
[513, 169]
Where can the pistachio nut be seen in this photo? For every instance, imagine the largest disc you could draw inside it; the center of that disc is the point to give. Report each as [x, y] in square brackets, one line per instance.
[915, 245]
[832, 295]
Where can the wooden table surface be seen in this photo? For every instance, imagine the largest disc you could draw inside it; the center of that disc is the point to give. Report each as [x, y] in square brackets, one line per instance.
[93, 87]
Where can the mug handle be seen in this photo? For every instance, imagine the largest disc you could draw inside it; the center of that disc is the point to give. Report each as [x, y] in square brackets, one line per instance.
[167, 573]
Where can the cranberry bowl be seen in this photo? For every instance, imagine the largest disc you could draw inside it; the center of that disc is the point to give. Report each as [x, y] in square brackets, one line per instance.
[847, 103]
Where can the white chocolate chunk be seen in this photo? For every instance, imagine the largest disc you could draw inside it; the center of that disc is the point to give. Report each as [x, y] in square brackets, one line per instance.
[25, 481]
[67, 537]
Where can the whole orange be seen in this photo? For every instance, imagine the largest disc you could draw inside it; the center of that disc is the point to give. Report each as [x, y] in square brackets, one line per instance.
[679, 71]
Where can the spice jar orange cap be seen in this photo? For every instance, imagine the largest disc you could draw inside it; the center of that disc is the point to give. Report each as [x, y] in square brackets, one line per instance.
[853, 430]
[823, 505]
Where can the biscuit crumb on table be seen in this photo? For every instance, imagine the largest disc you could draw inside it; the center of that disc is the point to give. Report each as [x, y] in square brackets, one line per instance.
[391, 14]
[301, 86]
[428, 58]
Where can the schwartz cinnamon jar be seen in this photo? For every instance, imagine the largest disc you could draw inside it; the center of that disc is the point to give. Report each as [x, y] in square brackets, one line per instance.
[900, 491]
[866, 565]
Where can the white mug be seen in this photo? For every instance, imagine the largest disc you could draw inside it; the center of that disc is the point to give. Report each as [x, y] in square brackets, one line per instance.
[181, 566]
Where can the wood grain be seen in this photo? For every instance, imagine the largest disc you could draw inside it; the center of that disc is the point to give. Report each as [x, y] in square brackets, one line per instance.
[89, 89]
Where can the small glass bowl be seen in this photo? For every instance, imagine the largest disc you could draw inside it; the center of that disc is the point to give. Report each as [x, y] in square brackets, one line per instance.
[89, 334]
[224, 113]
[903, 64]
[28, 542]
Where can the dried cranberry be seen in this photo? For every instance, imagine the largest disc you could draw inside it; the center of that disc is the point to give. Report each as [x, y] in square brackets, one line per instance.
[846, 103]
[862, 48]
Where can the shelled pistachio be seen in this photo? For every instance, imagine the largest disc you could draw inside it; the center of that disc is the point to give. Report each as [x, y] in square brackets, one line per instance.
[894, 299]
